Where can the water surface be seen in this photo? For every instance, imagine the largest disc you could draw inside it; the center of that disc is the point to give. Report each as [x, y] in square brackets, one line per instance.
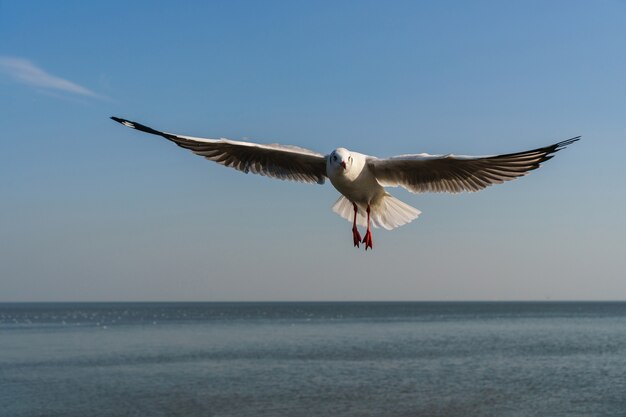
[313, 359]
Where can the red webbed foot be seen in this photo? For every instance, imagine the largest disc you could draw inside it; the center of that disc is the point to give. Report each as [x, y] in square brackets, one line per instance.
[368, 240]
[356, 237]
[368, 235]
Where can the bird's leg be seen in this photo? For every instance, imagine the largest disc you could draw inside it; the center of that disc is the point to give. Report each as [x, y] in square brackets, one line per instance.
[368, 235]
[356, 236]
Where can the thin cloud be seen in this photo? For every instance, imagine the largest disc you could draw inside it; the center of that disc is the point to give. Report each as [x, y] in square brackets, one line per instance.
[24, 71]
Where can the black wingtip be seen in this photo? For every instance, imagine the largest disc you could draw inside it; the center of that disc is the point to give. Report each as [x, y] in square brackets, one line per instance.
[125, 122]
[567, 142]
[138, 126]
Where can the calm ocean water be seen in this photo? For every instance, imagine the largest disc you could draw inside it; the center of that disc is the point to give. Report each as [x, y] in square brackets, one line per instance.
[313, 359]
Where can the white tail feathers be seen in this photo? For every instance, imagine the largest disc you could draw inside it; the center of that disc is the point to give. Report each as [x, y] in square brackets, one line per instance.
[389, 213]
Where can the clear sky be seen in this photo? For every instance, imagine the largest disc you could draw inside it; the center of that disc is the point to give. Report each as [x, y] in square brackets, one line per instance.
[91, 210]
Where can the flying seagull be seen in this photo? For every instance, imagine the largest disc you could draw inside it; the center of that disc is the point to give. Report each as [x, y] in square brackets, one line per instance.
[361, 178]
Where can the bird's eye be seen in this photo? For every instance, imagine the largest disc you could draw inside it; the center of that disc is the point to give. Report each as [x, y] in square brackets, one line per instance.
[334, 157]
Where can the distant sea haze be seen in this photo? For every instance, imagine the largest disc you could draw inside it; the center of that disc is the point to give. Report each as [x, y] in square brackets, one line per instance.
[313, 359]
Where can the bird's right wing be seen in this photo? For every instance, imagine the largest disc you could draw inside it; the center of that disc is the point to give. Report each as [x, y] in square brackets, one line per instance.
[453, 174]
[278, 161]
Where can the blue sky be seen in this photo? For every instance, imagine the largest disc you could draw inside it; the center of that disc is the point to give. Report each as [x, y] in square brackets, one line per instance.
[91, 210]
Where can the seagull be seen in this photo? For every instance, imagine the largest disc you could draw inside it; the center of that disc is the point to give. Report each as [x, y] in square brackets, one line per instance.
[361, 179]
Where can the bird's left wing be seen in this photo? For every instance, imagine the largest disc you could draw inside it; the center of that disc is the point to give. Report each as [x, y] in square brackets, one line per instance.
[453, 174]
[278, 161]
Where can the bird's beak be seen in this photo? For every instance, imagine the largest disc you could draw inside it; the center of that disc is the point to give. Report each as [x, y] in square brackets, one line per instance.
[343, 164]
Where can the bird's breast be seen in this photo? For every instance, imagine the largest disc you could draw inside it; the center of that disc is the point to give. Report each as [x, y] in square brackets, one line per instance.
[359, 188]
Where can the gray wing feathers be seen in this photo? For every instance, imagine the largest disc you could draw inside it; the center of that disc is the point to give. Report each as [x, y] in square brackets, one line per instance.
[277, 161]
[453, 174]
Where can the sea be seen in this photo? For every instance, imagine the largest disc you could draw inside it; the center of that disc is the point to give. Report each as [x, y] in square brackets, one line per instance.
[313, 359]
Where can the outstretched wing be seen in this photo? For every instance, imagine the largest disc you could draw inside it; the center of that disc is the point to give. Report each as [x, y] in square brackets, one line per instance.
[453, 174]
[277, 161]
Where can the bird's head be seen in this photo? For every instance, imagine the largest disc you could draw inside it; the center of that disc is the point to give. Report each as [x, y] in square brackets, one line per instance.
[340, 160]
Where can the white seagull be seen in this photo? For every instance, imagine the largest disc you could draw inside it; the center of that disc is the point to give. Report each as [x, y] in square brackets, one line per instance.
[361, 178]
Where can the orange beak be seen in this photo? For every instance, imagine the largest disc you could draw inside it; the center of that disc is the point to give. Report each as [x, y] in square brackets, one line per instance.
[343, 164]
